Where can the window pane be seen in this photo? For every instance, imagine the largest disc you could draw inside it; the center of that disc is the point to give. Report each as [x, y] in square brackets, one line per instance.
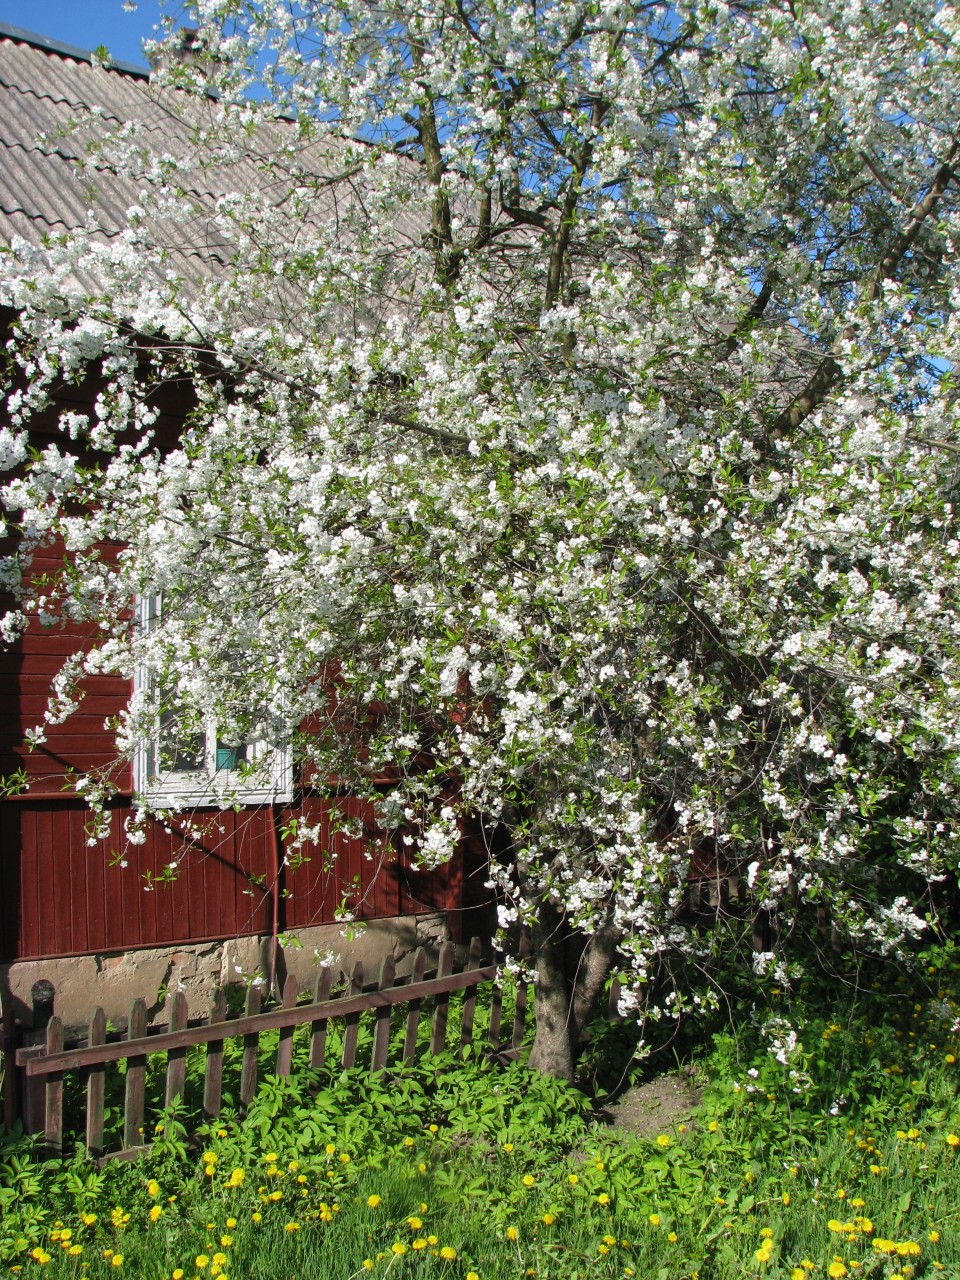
[180, 751]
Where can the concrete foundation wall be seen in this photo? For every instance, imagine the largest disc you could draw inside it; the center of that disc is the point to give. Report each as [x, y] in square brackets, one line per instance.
[113, 982]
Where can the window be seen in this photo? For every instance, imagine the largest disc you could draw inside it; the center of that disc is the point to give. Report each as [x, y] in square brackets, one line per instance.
[201, 767]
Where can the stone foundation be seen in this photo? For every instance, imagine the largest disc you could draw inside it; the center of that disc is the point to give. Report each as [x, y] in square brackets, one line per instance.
[113, 982]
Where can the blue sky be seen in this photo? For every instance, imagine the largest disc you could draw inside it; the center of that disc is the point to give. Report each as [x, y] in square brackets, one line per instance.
[87, 23]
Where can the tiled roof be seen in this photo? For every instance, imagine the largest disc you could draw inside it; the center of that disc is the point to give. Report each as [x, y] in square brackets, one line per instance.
[54, 99]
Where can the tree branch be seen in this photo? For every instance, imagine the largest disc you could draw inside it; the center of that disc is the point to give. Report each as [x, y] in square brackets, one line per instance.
[828, 371]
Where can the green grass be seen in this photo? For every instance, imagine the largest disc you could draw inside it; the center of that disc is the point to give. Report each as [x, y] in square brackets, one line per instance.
[839, 1161]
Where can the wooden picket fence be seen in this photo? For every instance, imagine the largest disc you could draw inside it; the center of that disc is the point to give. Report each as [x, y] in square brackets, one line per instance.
[44, 1067]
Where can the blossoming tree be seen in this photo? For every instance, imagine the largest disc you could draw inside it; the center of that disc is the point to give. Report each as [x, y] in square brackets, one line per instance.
[574, 449]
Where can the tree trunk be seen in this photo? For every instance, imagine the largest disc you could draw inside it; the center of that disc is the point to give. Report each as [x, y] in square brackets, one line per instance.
[571, 970]
[553, 1045]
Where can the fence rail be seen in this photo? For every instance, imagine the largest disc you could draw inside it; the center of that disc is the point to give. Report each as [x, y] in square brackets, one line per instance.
[44, 1066]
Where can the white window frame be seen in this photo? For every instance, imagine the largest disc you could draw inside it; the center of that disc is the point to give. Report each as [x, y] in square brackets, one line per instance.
[210, 786]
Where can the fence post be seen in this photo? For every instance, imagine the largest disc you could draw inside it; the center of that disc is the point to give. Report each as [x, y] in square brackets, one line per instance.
[213, 1063]
[413, 1008]
[520, 1008]
[95, 1082]
[53, 1129]
[291, 990]
[352, 1020]
[381, 1030]
[318, 1031]
[34, 1090]
[251, 1049]
[470, 996]
[444, 968]
[8, 1062]
[176, 1058]
[136, 1074]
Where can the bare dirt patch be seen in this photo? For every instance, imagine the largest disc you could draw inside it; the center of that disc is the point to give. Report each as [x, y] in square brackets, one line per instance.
[655, 1107]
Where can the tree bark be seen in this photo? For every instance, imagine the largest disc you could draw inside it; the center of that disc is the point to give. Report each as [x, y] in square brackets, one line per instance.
[571, 970]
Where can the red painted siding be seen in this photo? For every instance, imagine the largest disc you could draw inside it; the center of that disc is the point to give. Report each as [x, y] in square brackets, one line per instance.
[62, 895]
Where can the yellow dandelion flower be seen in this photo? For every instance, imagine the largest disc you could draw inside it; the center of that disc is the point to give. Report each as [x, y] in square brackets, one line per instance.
[603, 1199]
[399, 1248]
[373, 1201]
[953, 1140]
[368, 1264]
[511, 1233]
[201, 1261]
[664, 1140]
[418, 1244]
[231, 1223]
[292, 1226]
[448, 1254]
[177, 1273]
[155, 1213]
[117, 1260]
[673, 1237]
[654, 1219]
[414, 1223]
[153, 1188]
[508, 1147]
[933, 1236]
[548, 1219]
[256, 1217]
[528, 1180]
[472, 1275]
[572, 1179]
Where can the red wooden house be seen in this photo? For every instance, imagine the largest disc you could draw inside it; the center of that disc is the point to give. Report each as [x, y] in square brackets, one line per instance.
[84, 913]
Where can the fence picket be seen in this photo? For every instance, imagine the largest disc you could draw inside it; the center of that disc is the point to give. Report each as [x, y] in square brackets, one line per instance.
[413, 1008]
[381, 1030]
[251, 1050]
[136, 1074]
[53, 1126]
[470, 996]
[318, 1029]
[520, 1006]
[291, 990]
[352, 1020]
[444, 969]
[496, 1012]
[213, 1062]
[176, 1058]
[96, 1078]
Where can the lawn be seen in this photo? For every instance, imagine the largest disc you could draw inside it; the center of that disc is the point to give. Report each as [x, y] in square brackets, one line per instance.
[828, 1152]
